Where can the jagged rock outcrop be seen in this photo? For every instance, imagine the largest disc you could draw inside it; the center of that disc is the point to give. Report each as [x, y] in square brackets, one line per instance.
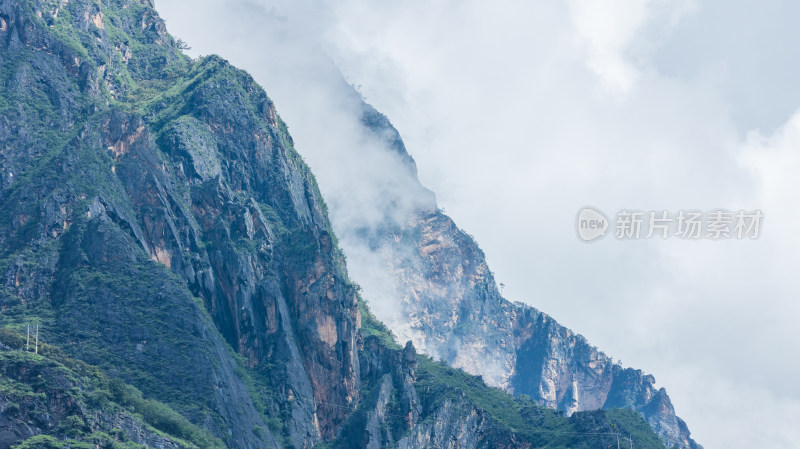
[136, 180]
[563, 371]
[448, 304]
[399, 412]
[412, 402]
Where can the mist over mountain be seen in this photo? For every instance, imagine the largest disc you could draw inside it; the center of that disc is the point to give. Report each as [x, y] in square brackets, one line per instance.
[518, 114]
[428, 280]
[170, 275]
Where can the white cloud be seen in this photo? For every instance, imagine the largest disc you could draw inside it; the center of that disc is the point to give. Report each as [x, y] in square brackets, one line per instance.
[607, 29]
[775, 162]
[612, 33]
[754, 416]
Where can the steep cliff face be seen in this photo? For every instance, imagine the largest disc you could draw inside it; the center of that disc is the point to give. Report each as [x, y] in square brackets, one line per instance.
[448, 304]
[410, 401]
[159, 227]
[136, 180]
[563, 371]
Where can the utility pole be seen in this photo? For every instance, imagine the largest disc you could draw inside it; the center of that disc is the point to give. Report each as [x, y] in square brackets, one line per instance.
[28, 339]
[617, 441]
[37, 338]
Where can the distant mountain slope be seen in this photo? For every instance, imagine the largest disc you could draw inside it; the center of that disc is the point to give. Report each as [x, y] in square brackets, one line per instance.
[447, 302]
[411, 401]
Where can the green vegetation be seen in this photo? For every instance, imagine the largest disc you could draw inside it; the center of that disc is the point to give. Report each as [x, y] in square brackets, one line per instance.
[264, 398]
[161, 416]
[371, 326]
[94, 440]
[634, 426]
[85, 392]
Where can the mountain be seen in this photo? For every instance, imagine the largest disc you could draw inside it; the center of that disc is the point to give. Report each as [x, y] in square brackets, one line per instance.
[442, 295]
[47, 391]
[175, 256]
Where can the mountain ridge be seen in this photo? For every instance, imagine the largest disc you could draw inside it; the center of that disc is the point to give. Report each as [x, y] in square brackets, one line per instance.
[160, 227]
[449, 305]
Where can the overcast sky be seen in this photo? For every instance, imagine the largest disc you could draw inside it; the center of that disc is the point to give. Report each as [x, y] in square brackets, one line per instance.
[519, 113]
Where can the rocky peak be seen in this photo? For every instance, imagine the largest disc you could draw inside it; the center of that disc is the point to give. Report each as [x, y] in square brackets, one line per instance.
[449, 306]
[410, 358]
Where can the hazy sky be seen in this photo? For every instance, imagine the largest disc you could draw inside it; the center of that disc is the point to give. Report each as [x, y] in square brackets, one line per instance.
[519, 113]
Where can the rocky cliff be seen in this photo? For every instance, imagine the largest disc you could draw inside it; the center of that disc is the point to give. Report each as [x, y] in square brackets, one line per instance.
[173, 247]
[411, 401]
[446, 301]
[136, 180]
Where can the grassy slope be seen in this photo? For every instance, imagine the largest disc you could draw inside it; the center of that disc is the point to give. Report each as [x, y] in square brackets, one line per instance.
[66, 380]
